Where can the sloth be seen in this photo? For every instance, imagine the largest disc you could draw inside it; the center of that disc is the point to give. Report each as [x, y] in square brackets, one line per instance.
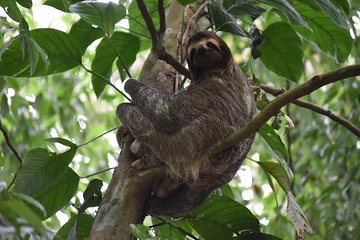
[178, 130]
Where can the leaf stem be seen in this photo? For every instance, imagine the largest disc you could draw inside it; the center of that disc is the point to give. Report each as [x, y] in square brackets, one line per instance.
[104, 79]
[118, 55]
[83, 144]
[99, 172]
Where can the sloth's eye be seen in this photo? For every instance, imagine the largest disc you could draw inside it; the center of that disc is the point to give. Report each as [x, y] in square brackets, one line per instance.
[211, 45]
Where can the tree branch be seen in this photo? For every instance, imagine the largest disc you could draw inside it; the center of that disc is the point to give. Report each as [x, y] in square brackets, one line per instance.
[175, 64]
[287, 97]
[308, 105]
[149, 22]
[162, 20]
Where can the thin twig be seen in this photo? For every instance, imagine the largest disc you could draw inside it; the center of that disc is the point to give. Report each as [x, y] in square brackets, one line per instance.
[104, 133]
[96, 173]
[326, 112]
[287, 97]
[105, 80]
[9, 144]
[118, 55]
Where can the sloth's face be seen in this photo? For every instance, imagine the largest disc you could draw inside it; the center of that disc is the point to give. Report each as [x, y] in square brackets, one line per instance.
[205, 53]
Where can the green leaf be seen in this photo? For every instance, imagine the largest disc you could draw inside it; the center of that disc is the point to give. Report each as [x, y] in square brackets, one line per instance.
[278, 172]
[223, 20]
[186, 2]
[281, 51]
[274, 141]
[84, 33]
[92, 195]
[62, 141]
[140, 231]
[62, 5]
[240, 8]
[11, 10]
[327, 7]
[4, 110]
[126, 45]
[30, 200]
[287, 9]
[14, 209]
[40, 169]
[297, 216]
[62, 53]
[103, 15]
[83, 227]
[58, 193]
[330, 38]
[221, 217]
[25, 3]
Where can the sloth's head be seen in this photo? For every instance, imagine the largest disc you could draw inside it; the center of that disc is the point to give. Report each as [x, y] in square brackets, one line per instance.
[206, 52]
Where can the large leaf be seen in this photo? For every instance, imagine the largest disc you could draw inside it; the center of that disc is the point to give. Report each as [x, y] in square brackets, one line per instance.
[62, 5]
[221, 218]
[330, 9]
[40, 169]
[58, 194]
[103, 15]
[274, 141]
[25, 3]
[14, 209]
[223, 20]
[281, 51]
[82, 224]
[284, 7]
[126, 45]
[243, 7]
[84, 33]
[332, 39]
[278, 172]
[11, 10]
[62, 53]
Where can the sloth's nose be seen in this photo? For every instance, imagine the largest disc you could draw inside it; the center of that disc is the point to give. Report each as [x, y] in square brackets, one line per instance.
[202, 49]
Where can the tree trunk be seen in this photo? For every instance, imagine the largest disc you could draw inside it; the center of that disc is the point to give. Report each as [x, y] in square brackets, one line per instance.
[124, 199]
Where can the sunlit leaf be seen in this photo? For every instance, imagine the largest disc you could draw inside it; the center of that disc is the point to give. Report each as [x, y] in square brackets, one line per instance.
[281, 51]
[278, 172]
[274, 141]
